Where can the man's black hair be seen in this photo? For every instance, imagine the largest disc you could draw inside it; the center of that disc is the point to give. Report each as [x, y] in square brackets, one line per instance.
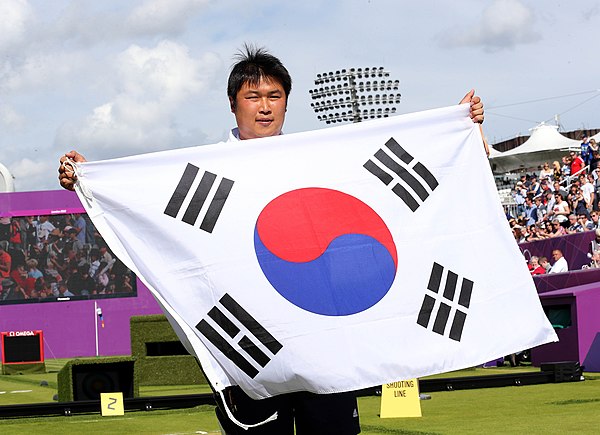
[254, 64]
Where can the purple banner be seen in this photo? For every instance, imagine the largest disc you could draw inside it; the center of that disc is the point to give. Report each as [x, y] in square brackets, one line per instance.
[35, 203]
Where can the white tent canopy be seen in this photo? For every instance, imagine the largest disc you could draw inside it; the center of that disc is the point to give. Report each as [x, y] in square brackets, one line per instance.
[6, 180]
[545, 144]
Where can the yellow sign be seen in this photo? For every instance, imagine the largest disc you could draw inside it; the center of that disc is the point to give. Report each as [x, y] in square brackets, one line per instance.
[400, 399]
[112, 404]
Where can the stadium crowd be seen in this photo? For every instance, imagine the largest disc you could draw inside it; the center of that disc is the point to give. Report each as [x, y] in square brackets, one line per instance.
[45, 258]
[561, 199]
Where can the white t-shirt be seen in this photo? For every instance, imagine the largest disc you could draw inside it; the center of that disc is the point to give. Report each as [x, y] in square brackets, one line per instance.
[587, 189]
[560, 266]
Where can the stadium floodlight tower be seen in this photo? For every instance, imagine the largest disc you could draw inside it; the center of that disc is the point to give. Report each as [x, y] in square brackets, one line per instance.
[354, 94]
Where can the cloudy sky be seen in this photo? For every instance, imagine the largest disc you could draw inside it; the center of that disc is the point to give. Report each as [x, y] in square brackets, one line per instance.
[114, 78]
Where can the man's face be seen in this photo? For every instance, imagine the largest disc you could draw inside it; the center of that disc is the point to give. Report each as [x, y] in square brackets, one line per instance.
[594, 217]
[556, 255]
[260, 109]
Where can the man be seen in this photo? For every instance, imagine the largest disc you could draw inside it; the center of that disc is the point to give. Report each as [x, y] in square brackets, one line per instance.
[5, 260]
[11, 291]
[534, 188]
[519, 196]
[574, 225]
[577, 163]
[545, 264]
[541, 209]
[594, 216]
[531, 213]
[588, 191]
[560, 263]
[586, 224]
[585, 149]
[258, 89]
[556, 187]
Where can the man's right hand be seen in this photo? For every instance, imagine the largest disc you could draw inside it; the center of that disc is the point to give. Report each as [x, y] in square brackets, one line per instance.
[66, 174]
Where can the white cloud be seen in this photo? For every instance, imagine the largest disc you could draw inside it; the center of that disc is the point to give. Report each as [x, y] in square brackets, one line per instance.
[152, 84]
[42, 69]
[10, 118]
[504, 24]
[32, 175]
[16, 14]
[162, 16]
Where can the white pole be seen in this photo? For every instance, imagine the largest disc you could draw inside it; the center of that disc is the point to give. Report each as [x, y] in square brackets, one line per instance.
[96, 324]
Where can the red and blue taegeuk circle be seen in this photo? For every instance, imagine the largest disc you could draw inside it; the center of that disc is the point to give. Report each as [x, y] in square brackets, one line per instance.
[325, 251]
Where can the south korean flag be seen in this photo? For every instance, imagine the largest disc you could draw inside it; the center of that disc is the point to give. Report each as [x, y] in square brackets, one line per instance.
[325, 261]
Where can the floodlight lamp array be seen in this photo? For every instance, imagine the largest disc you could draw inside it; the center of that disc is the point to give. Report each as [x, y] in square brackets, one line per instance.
[350, 89]
[332, 118]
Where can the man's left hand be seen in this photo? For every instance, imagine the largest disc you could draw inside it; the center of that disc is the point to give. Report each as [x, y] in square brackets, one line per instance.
[476, 112]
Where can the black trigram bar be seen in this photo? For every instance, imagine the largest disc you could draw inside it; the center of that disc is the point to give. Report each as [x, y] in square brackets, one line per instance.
[444, 312]
[249, 322]
[223, 345]
[416, 177]
[435, 278]
[199, 197]
[223, 339]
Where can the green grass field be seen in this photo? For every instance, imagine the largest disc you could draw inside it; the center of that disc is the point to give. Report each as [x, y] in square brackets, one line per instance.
[564, 408]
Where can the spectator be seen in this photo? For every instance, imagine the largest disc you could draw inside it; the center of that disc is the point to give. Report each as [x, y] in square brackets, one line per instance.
[80, 282]
[588, 191]
[518, 234]
[519, 195]
[566, 167]
[545, 264]
[44, 228]
[586, 224]
[579, 204]
[594, 152]
[5, 260]
[574, 225]
[595, 243]
[560, 263]
[557, 173]
[546, 172]
[594, 216]
[534, 266]
[577, 163]
[595, 261]
[63, 291]
[540, 208]
[561, 209]
[530, 212]
[534, 188]
[556, 187]
[81, 227]
[532, 233]
[11, 291]
[557, 229]
[32, 269]
[585, 149]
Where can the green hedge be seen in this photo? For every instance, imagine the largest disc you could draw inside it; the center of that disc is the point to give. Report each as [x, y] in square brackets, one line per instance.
[65, 375]
[170, 370]
[163, 369]
[148, 329]
[23, 369]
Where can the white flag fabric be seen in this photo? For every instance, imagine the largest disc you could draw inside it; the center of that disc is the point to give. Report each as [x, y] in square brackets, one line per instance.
[325, 261]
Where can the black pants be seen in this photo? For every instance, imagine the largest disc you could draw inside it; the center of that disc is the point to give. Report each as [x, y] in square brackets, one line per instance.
[314, 414]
